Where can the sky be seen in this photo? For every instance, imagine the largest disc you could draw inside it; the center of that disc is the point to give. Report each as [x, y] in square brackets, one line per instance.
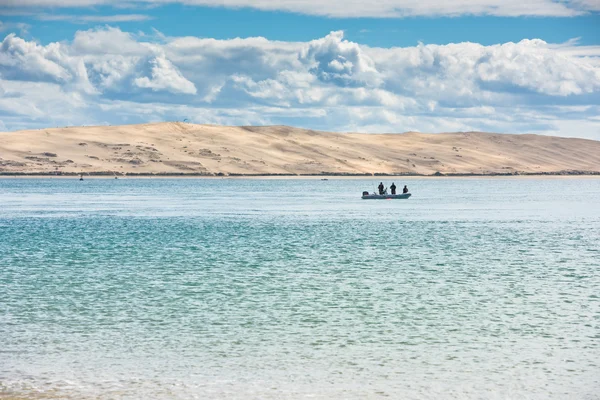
[509, 66]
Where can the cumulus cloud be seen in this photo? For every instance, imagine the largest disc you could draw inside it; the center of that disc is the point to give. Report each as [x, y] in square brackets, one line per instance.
[378, 9]
[333, 59]
[469, 73]
[164, 76]
[23, 60]
[327, 83]
[532, 64]
[107, 40]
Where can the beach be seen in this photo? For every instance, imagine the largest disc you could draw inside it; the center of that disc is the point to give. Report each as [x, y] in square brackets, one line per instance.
[182, 149]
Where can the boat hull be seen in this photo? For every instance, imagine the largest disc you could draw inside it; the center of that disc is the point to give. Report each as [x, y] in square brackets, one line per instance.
[386, 196]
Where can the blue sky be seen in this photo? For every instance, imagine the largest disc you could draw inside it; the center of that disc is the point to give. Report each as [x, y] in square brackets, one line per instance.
[392, 66]
[226, 23]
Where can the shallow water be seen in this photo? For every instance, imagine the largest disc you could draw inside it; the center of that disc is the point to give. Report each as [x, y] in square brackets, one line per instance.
[292, 289]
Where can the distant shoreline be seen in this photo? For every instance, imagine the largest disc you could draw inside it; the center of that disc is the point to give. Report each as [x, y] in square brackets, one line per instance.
[188, 150]
[112, 175]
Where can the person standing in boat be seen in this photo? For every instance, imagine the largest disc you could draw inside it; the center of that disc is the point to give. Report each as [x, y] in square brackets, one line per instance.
[405, 190]
[393, 188]
[380, 187]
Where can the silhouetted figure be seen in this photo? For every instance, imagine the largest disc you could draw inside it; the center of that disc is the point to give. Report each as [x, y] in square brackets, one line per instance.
[393, 188]
[405, 190]
[380, 187]
[81, 177]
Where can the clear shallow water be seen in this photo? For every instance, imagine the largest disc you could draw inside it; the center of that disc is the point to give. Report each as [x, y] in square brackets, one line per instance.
[292, 289]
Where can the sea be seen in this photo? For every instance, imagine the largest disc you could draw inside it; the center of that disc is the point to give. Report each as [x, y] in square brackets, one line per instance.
[474, 288]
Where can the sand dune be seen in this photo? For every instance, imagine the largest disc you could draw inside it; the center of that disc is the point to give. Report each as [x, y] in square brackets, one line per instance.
[173, 147]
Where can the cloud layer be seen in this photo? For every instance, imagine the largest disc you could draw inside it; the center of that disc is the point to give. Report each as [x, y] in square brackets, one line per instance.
[107, 76]
[377, 9]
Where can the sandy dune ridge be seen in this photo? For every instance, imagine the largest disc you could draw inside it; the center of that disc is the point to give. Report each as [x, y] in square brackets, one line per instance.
[182, 148]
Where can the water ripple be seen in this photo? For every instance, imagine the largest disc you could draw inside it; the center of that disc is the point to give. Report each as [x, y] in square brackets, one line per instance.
[155, 289]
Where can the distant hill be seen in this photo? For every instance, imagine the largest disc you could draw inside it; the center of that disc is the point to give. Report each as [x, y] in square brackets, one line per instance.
[175, 148]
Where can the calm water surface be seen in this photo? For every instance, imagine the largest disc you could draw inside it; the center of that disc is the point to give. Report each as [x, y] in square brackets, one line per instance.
[294, 289]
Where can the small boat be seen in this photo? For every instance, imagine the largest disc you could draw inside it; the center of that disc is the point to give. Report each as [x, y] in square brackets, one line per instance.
[373, 196]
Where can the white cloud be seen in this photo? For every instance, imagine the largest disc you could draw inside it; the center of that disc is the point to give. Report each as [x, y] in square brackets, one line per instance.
[107, 40]
[164, 76]
[84, 19]
[106, 74]
[26, 105]
[333, 59]
[20, 59]
[532, 64]
[470, 72]
[213, 93]
[23, 28]
[379, 9]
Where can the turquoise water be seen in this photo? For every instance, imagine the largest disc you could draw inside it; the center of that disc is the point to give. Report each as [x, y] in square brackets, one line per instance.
[298, 289]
